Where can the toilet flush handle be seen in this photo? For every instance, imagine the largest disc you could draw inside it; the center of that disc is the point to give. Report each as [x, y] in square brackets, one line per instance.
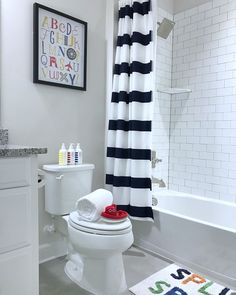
[60, 177]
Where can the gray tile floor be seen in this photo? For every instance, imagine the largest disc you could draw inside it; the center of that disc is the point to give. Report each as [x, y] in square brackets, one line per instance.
[138, 266]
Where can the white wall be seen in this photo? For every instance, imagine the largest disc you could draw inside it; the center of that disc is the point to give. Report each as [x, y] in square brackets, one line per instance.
[176, 6]
[41, 115]
[166, 5]
[112, 9]
[181, 5]
[203, 127]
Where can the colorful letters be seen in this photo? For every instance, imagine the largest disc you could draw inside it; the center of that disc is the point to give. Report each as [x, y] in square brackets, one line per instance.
[176, 291]
[159, 288]
[194, 278]
[185, 278]
[181, 273]
[225, 291]
[59, 49]
[202, 290]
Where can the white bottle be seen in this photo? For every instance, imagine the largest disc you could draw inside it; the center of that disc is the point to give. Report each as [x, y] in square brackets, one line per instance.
[62, 155]
[78, 155]
[71, 155]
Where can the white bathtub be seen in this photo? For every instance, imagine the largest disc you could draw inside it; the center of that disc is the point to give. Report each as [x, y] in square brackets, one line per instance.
[196, 232]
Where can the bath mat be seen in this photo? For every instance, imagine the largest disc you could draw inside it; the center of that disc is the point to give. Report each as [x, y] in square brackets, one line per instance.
[176, 280]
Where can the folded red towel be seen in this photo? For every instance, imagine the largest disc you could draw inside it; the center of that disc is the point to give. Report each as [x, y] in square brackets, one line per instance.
[112, 209]
[111, 212]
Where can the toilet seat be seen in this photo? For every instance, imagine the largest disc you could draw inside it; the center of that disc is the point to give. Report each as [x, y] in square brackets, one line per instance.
[100, 227]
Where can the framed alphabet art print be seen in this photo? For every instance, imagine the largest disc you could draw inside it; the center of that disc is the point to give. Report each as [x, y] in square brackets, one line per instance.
[60, 49]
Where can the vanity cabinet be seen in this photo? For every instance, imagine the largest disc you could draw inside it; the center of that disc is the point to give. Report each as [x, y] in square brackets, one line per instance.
[19, 226]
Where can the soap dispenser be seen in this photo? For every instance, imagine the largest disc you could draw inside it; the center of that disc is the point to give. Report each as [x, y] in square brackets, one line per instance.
[63, 155]
[78, 155]
[71, 155]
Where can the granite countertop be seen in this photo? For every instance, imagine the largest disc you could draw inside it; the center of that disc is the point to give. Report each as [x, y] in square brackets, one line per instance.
[20, 151]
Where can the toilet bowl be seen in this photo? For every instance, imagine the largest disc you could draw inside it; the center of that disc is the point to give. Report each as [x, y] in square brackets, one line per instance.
[96, 262]
[95, 248]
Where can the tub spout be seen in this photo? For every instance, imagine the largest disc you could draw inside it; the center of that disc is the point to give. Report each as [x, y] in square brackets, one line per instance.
[160, 182]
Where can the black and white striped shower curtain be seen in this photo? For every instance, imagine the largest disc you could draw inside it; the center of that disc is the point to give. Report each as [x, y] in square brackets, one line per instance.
[130, 119]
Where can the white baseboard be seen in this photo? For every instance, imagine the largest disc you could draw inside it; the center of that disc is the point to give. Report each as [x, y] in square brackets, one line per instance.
[52, 251]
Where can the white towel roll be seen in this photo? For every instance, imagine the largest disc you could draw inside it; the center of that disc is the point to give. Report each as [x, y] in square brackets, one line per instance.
[91, 206]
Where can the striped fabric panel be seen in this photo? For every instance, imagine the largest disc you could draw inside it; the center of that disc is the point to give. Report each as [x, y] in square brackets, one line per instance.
[128, 181]
[124, 153]
[134, 211]
[133, 196]
[122, 53]
[136, 37]
[137, 24]
[134, 96]
[138, 82]
[128, 167]
[134, 67]
[140, 8]
[122, 111]
[132, 140]
[135, 203]
[132, 125]
[128, 171]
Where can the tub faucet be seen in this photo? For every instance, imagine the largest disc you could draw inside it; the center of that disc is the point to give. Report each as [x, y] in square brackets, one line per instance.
[160, 182]
[155, 160]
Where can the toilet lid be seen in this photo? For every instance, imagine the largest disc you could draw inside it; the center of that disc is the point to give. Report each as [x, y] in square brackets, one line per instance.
[100, 226]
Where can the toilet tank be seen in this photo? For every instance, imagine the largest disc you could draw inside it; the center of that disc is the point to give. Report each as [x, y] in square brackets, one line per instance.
[65, 185]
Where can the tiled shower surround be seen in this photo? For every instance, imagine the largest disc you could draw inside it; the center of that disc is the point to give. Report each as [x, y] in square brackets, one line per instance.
[161, 122]
[202, 157]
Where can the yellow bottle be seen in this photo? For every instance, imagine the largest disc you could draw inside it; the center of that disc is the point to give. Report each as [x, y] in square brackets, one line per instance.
[63, 155]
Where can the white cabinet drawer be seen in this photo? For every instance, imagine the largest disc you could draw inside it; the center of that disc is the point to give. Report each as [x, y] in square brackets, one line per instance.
[16, 273]
[15, 218]
[14, 172]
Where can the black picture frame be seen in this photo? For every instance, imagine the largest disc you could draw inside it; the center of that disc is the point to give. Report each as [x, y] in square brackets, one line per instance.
[68, 46]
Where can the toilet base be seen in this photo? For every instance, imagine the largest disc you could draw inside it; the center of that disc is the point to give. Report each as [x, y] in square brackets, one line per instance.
[104, 276]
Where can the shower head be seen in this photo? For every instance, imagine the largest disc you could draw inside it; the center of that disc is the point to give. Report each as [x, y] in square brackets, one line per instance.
[165, 28]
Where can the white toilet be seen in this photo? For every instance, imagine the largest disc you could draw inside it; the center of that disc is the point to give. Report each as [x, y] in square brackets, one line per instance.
[95, 258]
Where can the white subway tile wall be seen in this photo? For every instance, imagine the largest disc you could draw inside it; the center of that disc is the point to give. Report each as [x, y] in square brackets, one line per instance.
[161, 121]
[203, 123]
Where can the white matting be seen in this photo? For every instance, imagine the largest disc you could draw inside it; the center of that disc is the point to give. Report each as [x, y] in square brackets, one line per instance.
[176, 280]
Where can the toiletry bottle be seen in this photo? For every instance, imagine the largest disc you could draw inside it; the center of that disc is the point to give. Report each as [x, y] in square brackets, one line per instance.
[78, 155]
[71, 155]
[63, 155]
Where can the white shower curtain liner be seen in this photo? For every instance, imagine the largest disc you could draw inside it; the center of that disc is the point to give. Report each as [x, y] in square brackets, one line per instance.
[128, 172]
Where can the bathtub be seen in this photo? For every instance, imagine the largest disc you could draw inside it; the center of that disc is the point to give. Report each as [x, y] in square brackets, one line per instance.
[196, 232]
